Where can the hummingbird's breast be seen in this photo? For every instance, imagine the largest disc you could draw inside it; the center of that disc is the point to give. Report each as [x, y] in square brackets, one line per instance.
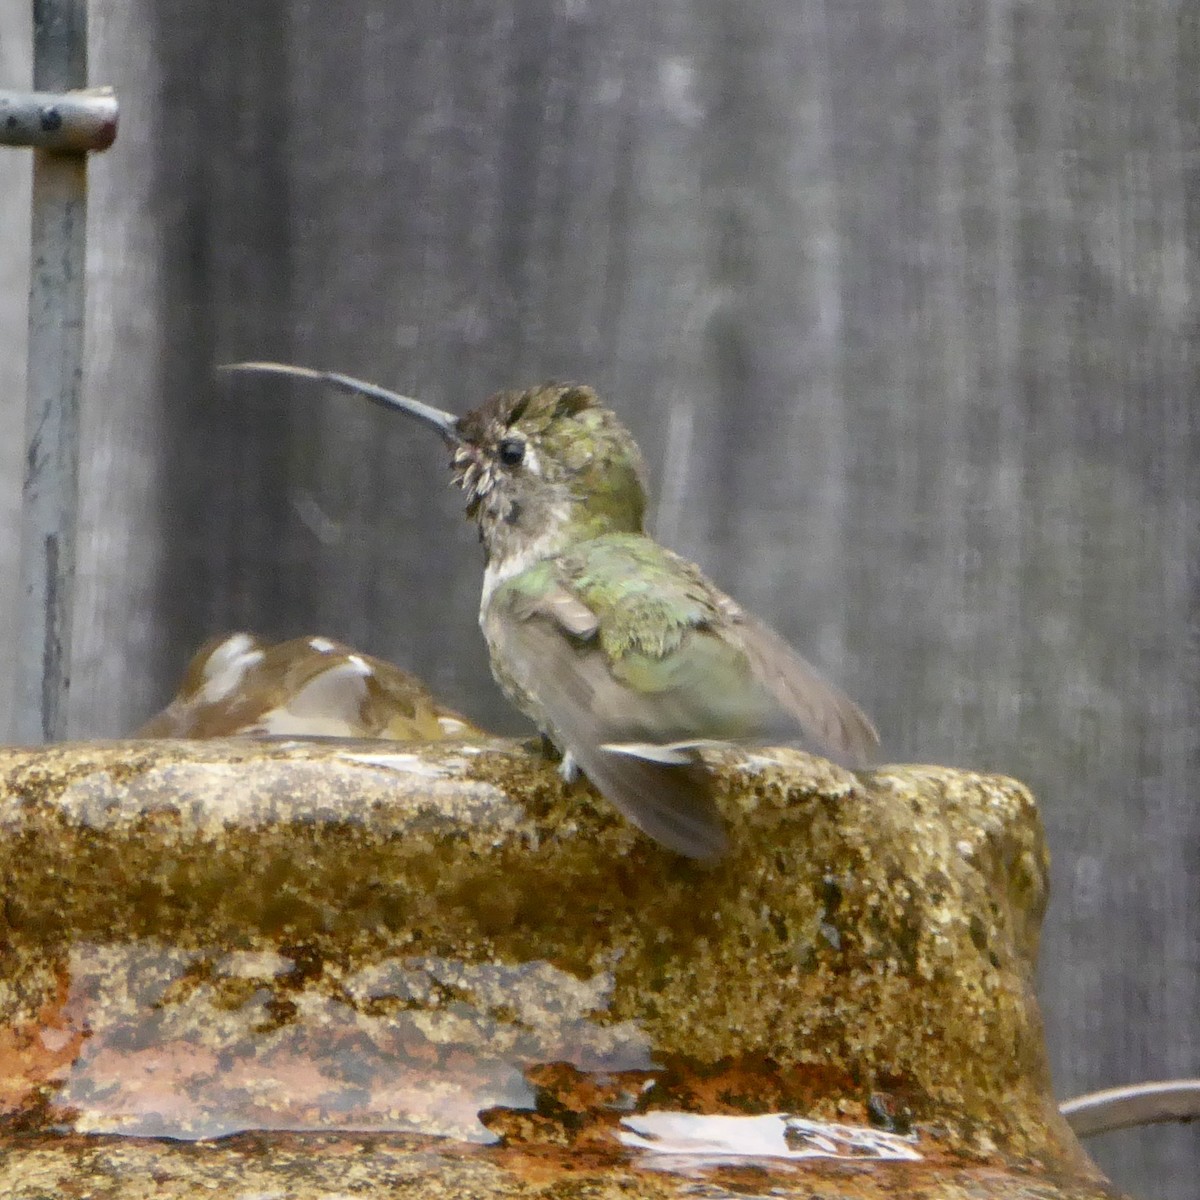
[507, 561]
[505, 671]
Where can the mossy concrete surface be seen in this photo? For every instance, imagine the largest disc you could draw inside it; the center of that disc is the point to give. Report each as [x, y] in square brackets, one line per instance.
[204, 937]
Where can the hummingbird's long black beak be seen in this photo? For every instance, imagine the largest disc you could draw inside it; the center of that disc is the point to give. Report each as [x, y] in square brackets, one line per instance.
[445, 423]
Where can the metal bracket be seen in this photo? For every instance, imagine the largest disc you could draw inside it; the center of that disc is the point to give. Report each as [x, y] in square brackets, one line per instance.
[68, 122]
[1137, 1104]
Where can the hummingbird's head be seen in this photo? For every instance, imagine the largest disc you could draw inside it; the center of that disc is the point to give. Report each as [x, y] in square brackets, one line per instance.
[547, 466]
[541, 468]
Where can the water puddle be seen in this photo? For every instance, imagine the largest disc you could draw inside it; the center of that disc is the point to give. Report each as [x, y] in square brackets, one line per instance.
[139, 1039]
[677, 1141]
[149, 1041]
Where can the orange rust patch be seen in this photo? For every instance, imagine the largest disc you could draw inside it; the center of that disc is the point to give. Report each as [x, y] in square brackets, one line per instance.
[34, 1057]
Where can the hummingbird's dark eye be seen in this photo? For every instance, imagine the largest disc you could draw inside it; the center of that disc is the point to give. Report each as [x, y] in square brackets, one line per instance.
[512, 451]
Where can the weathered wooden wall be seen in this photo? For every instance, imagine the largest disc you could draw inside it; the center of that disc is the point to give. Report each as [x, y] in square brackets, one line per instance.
[899, 296]
[16, 72]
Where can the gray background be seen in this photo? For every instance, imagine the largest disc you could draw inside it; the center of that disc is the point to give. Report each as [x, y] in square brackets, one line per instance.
[898, 296]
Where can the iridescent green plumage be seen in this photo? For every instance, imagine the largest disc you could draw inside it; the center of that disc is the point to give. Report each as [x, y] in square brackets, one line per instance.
[621, 652]
[629, 658]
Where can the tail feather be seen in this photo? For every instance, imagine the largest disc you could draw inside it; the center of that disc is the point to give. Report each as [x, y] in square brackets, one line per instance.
[672, 802]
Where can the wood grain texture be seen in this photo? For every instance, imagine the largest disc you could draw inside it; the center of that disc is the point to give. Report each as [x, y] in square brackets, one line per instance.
[899, 299]
[16, 71]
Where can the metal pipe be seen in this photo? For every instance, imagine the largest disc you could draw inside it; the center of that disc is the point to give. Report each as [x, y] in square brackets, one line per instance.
[63, 121]
[1137, 1104]
[49, 511]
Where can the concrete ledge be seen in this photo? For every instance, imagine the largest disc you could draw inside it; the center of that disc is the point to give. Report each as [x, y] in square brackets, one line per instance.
[205, 937]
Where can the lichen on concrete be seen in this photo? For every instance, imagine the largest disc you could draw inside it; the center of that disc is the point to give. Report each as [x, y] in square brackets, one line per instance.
[331, 1166]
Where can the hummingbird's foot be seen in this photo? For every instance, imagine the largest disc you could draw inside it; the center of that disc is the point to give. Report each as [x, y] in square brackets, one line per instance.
[568, 768]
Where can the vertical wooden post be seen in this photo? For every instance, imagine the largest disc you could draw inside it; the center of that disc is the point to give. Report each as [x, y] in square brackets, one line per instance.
[56, 313]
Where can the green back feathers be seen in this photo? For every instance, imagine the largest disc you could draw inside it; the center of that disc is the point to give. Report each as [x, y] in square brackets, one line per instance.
[644, 599]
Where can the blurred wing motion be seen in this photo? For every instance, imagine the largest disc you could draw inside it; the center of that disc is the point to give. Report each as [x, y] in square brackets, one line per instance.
[635, 680]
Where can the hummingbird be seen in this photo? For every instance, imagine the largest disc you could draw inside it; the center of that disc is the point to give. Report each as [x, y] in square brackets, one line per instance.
[624, 654]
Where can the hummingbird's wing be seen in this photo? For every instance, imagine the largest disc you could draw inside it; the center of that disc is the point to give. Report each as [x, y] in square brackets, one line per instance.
[711, 670]
[635, 660]
[825, 715]
[585, 706]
